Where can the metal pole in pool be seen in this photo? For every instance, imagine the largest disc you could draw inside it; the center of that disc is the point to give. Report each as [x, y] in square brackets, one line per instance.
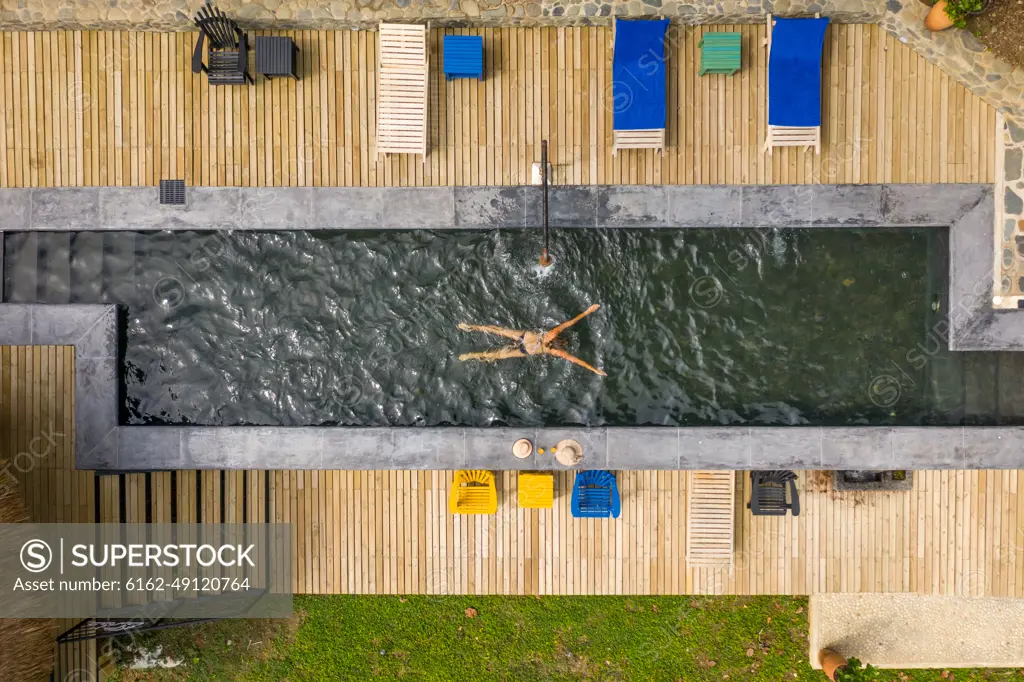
[545, 258]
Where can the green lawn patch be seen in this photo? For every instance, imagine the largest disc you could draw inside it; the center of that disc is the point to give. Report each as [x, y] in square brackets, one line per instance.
[694, 639]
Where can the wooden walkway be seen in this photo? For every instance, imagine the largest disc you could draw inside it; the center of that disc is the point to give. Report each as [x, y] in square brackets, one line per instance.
[958, 532]
[107, 108]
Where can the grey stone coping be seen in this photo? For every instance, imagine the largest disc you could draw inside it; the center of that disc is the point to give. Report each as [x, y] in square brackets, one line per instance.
[663, 448]
[339, 208]
[102, 444]
[92, 330]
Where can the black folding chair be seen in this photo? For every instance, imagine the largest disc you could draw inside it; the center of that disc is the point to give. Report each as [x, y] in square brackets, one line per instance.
[768, 493]
[229, 48]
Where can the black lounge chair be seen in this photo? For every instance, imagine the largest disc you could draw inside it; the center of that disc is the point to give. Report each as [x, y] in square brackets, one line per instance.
[768, 493]
[229, 48]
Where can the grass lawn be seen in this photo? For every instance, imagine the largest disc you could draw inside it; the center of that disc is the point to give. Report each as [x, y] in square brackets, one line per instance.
[691, 639]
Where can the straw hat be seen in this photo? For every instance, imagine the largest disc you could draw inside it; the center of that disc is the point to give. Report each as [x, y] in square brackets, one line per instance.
[522, 448]
[568, 452]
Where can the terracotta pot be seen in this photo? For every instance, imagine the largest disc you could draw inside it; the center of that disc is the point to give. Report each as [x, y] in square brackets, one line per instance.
[937, 19]
[830, 661]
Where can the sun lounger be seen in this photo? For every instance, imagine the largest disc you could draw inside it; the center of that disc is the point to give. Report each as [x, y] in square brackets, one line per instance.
[402, 68]
[638, 85]
[794, 82]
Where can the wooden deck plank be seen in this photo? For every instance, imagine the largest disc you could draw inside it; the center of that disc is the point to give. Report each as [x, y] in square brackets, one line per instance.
[127, 111]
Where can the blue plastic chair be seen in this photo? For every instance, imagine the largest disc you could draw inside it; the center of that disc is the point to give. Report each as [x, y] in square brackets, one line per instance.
[463, 57]
[595, 495]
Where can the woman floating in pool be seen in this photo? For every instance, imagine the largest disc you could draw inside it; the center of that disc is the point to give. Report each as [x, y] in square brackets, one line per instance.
[528, 343]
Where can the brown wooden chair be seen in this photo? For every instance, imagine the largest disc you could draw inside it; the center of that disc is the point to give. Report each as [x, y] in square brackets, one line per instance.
[228, 51]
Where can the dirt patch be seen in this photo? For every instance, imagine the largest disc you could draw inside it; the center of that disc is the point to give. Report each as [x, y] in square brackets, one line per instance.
[819, 481]
[1001, 28]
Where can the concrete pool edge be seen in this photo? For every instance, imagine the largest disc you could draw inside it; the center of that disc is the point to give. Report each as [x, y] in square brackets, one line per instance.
[104, 445]
[344, 208]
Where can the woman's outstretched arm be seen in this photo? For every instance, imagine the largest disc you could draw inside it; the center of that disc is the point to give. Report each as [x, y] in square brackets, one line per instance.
[549, 336]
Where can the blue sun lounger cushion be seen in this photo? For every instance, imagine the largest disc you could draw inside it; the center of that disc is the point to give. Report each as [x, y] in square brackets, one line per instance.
[595, 495]
[794, 72]
[638, 84]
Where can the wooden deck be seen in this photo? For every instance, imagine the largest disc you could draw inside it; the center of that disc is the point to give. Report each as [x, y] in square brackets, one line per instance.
[107, 108]
[959, 532]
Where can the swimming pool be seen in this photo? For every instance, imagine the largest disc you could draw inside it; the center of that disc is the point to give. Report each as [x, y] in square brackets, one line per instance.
[697, 327]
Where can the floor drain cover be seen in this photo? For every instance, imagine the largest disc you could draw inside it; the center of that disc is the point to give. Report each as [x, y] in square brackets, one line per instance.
[172, 192]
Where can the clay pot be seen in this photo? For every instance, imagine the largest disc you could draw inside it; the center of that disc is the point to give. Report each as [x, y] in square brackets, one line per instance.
[830, 661]
[937, 19]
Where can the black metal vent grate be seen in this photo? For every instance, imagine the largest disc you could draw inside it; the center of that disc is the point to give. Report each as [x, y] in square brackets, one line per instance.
[172, 192]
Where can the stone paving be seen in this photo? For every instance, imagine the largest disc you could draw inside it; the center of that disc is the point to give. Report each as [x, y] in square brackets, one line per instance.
[891, 630]
[1010, 218]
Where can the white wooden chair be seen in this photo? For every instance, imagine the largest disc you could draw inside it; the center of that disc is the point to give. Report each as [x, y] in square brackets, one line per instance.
[710, 518]
[402, 71]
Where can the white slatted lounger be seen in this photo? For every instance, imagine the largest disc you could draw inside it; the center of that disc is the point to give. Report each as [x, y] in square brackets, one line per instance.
[638, 139]
[789, 136]
[402, 70]
[710, 518]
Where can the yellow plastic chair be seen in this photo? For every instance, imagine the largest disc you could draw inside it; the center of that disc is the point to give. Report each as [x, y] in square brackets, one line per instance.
[536, 490]
[473, 492]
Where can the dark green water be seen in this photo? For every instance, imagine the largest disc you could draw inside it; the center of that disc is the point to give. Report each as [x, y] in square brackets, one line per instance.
[696, 327]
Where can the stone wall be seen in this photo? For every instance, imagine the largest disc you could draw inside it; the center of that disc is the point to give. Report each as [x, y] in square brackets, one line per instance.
[175, 15]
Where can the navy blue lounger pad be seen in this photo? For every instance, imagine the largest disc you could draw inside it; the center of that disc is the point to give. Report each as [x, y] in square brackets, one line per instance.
[794, 72]
[638, 75]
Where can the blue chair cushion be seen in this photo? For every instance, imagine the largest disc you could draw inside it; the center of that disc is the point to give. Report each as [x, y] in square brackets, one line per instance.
[463, 57]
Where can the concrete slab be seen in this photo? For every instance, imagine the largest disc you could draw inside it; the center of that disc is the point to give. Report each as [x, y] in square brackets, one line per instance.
[338, 207]
[96, 412]
[643, 448]
[715, 447]
[16, 207]
[496, 207]
[418, 207]
[857, 448]
[785, 447]
[275, 208]
[632, 206]
[150, 447]
[363, 448]
[62, 208]
[988, 447]
[16, 324]
[703, 206]
[572, 206]
[928, 205]
[135, 208]
[847, 206]
[594, 442]
[492, 448]
[918, 447]
[428, 448]
[778, 205]
[965, 630]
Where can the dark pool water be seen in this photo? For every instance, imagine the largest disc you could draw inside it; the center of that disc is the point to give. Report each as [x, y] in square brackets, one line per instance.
[697, 327]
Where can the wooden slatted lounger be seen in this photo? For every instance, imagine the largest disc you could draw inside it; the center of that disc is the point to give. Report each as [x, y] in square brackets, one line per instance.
[710, 518]
[788, 136]
[402, 70]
